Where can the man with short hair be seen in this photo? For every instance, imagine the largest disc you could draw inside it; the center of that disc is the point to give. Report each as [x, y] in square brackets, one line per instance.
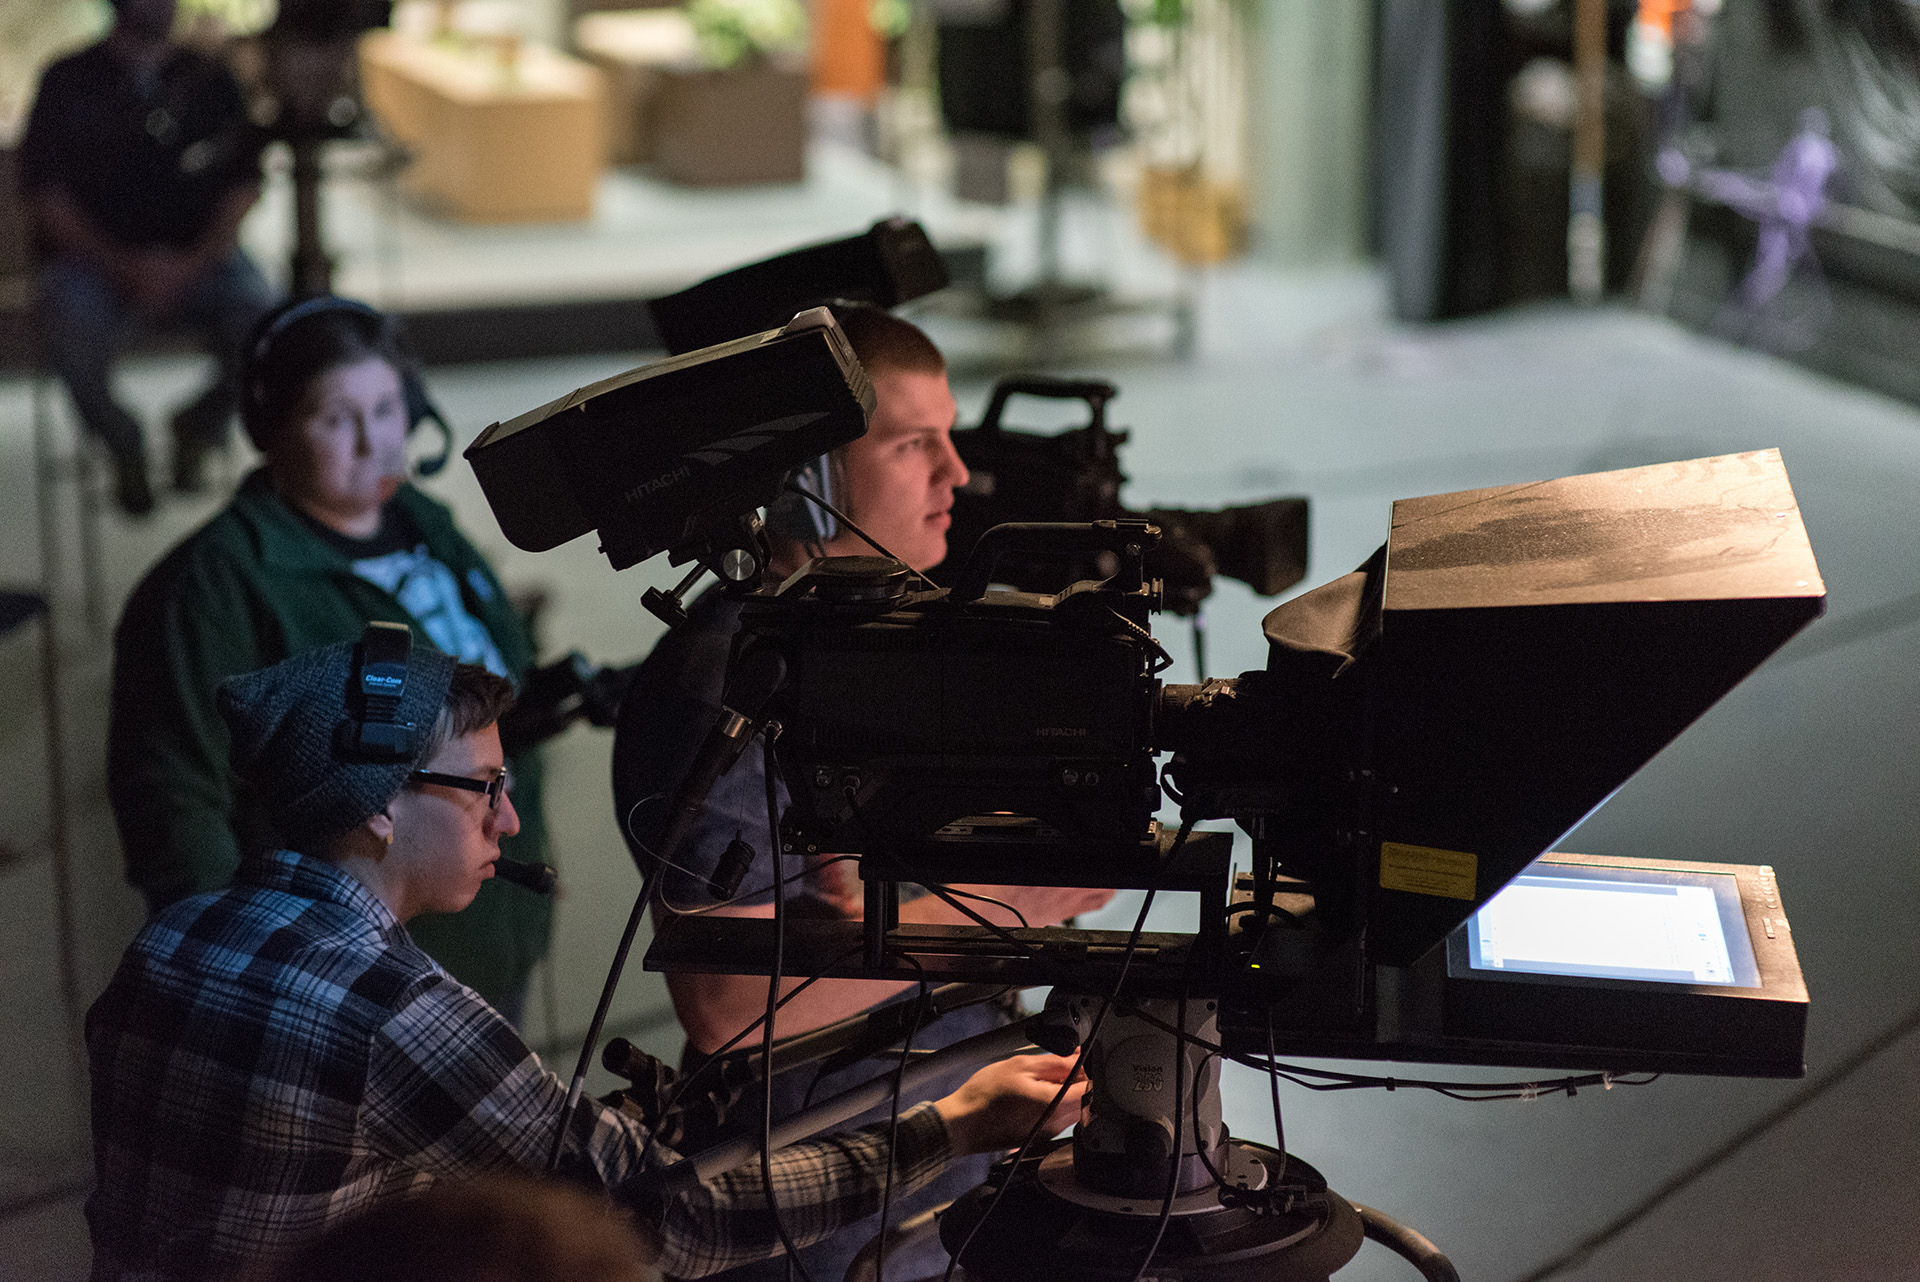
[139, 163]
[897, 484]
[272, 1059]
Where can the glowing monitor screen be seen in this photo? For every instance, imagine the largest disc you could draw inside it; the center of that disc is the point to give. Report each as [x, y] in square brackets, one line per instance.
[1657, 925]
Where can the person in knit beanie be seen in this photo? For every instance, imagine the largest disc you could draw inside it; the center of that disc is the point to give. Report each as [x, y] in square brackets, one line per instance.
[274, 1059]
[283, 726]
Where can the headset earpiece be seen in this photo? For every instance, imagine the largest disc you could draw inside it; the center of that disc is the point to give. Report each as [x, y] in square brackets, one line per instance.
[373, 730]
[796, 519]
[421, 409]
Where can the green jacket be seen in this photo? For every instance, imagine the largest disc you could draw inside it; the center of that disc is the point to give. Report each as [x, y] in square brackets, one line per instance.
[251, 587]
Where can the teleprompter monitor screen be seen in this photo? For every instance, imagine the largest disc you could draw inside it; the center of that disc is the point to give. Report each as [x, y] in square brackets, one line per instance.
[1644, 965]
[1656, 925]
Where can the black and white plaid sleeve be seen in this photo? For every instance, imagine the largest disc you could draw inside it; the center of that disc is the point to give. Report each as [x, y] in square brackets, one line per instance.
[453, 1091]
[819, 1187]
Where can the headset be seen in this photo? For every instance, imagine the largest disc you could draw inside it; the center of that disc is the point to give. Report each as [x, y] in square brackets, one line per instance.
[420, 407]
[372, 730]
[792, 517]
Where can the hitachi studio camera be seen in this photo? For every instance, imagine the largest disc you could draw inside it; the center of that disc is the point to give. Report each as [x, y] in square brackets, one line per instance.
[1423, 734]
[1016, 475]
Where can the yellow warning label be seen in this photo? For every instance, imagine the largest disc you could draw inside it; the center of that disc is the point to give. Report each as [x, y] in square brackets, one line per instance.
[1423, 870]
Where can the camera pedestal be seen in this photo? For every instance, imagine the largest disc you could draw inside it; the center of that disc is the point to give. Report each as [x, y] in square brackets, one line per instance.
[1047, 1226]
[1151, 1184]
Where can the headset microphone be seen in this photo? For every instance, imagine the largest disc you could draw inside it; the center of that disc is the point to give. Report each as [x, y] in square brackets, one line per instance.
[538, 878]
[421, 410]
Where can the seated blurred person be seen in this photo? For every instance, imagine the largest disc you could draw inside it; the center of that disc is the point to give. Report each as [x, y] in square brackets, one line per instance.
[274, 1059]
[323, 539]
[138, 164]
[495, 1229]
[897, 484]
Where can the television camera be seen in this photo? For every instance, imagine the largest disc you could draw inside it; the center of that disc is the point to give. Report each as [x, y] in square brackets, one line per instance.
[1016, 476]
[1424, 732]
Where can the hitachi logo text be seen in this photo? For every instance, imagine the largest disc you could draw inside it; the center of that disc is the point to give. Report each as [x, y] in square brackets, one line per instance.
[1062, 732]
[659, 483]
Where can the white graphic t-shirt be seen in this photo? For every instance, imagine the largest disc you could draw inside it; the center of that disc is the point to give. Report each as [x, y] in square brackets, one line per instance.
[395, 559]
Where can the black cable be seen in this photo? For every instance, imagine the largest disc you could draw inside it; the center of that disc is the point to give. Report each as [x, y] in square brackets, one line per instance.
[1468, 1092]
[686, 1083]
[1179, 1117]
[1099, 1018]
[649, 881]
[666, 906]
[1409, 1245]
[819, 1071]
[893, 1136]
[785, 878]
[1165, 660]
[951, 898]
[648, 851]
[989, 899]
[847, 521]
[768, 733]
[1273, 1084]
[1057, 974]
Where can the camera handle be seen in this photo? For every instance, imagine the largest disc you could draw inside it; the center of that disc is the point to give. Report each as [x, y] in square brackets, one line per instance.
[1130, 540]
[1095, 392]
[670, 607]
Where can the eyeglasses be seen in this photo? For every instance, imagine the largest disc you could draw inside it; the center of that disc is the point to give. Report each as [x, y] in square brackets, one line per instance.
[492, 787]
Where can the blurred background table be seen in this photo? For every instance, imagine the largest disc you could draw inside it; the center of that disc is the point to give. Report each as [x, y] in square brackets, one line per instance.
[501, 131]
[632, 49]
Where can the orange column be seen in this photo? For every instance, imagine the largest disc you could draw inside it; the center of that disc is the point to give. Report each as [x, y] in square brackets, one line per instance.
[849, 59]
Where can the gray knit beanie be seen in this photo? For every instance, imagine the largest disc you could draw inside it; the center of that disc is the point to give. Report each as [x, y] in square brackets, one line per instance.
[285, 721]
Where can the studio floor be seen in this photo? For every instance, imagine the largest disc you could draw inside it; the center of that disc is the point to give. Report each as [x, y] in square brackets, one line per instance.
[1298, 386]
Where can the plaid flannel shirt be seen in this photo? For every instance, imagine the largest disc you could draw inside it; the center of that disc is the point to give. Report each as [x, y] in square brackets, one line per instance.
[272, 1059]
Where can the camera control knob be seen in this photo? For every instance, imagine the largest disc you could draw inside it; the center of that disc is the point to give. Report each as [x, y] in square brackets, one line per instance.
[858, 580]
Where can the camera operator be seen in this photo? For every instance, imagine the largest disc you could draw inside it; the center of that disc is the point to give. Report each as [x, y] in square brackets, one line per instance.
[270, 1060]
[897, 483]
[138, 164]
[323, 539]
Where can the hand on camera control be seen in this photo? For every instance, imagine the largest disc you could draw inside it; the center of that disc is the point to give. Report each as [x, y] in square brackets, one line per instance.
[836, 884]
[996, 1108]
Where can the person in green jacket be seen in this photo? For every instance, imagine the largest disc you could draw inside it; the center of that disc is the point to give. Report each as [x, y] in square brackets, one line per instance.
[326, 537]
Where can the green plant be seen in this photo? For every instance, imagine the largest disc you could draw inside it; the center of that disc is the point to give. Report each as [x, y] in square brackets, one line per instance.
[1159, 13]
[891, 18]
[32, 34]
[236, 17]
[730, 31]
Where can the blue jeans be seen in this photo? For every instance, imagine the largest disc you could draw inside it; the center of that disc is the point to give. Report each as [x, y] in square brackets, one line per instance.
[86, 321]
